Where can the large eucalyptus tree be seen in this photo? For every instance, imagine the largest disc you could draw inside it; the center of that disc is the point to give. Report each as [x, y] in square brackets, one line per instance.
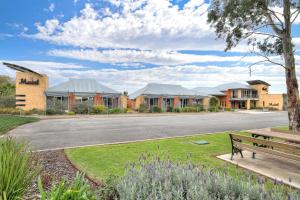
[267, 26]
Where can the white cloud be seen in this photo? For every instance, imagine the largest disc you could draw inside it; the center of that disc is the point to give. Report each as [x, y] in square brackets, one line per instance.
[152, 24]
[51, 7]
[153, 57]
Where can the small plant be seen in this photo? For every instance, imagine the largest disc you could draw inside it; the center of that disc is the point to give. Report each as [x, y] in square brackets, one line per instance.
[71, 113]
[52, 111]
[160, 178]
[177, 110]
[156, 109]
[99, 109]
[79, 189]
[115, 111]
[109, 190]
[170, 109]
[17, 169]
[143, 108]
[82, 108]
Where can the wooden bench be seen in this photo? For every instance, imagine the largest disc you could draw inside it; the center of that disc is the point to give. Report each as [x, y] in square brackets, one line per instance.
[265, 145]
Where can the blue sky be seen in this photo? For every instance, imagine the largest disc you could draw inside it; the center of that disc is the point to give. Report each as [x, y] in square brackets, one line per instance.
[126, 44]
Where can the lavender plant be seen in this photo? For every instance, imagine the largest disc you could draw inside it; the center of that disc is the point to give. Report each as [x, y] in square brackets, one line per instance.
[161, 179]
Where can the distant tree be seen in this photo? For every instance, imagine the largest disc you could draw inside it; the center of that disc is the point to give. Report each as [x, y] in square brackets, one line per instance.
[7, 86]
[125, 93]
[237, 20]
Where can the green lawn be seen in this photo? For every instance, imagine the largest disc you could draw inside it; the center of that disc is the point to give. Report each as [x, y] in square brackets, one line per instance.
[102, 161]
[8, 122]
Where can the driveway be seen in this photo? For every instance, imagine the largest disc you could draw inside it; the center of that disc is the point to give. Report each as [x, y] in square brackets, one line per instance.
[64, 133]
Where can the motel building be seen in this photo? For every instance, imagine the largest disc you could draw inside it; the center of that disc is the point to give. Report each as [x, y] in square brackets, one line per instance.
[164, 96]
[252, 95]
[33, 92]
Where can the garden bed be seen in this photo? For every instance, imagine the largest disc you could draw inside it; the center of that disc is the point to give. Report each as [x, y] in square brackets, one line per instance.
[54, 166]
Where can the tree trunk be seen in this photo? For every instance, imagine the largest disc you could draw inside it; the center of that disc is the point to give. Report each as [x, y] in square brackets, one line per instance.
[290, 71]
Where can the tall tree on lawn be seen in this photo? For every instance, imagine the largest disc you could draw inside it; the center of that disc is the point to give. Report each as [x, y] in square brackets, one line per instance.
[266, 25]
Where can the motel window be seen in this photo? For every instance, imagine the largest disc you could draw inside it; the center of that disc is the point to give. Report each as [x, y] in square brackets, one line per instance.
[234, 94]
[184, 103]
[153, 101]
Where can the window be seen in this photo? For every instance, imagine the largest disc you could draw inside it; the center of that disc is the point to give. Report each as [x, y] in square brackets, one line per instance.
[234, 94]
[183, 103]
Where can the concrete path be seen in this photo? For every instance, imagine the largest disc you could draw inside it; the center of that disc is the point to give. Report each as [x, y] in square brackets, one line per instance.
[275, 168]
[72, 132]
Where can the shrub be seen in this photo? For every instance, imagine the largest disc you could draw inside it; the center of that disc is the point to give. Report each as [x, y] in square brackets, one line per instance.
[213, 109]
[162, 179]
[143, 108]
[177, 110]
[214, 102]
[170, 109]
[78, 190]
[109, 190]
[17, 169]
[12, 111]
[99, 109]
[51, 111]
[82, 108]
[36, 111]
[156, 109]
[7, 102]
[115, 110]
[71, 113]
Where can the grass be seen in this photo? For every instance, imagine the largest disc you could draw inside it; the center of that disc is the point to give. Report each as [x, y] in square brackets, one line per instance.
[102, 161]
[8, 122]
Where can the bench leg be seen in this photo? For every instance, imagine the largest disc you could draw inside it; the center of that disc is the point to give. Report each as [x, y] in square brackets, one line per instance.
[241, 152]
[253, 155]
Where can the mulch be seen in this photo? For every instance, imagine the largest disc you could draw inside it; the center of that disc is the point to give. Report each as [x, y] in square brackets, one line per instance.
[55, 166]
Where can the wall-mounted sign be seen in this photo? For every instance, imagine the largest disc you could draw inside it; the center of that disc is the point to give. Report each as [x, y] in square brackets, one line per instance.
[31, 82]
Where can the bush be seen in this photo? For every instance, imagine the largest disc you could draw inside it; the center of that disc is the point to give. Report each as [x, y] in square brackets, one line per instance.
[12, 111]
[82, 108]
[162, 179]
[115, 111]
[17, 169]
[36, 111]
[78, 190]
[177, 110]
[156, 109]
[99, 109]
[213, 109]
[214, 102]
[51, 111]
[71, 113]
[109, 190]
[7, 102]
[143, 108]
[170, 109]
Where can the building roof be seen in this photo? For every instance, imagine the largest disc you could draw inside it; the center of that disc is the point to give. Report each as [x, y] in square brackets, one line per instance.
[81, 86]
[163, 89]
[219, 90]
[233, 85]
[257, 82]
[20, 68]
[207, 91]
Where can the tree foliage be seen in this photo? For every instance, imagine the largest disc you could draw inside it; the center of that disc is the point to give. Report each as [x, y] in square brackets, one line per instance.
[257, 21]
[7, 86]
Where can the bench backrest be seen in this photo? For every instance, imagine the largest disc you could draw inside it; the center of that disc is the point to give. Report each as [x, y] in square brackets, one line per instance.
[281, 149]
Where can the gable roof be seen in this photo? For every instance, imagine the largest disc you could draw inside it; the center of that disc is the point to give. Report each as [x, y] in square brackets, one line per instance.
[81, 86]
[257, 82]
[220, 89]
[162, 89]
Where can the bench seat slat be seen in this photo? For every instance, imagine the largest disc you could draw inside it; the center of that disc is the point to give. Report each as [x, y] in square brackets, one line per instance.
[256, 149]
[291, 148]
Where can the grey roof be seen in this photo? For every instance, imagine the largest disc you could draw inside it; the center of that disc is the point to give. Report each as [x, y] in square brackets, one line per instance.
[207, 91]
[256, 82]
[163, 89]
[81, 86]
[233, 85]
[219, 90]
[20, 68]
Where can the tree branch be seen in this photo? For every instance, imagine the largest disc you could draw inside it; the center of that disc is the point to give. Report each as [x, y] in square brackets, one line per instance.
[260, 33]
[277, 30]
[297, 14]
[274, 14]
[269, 60]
